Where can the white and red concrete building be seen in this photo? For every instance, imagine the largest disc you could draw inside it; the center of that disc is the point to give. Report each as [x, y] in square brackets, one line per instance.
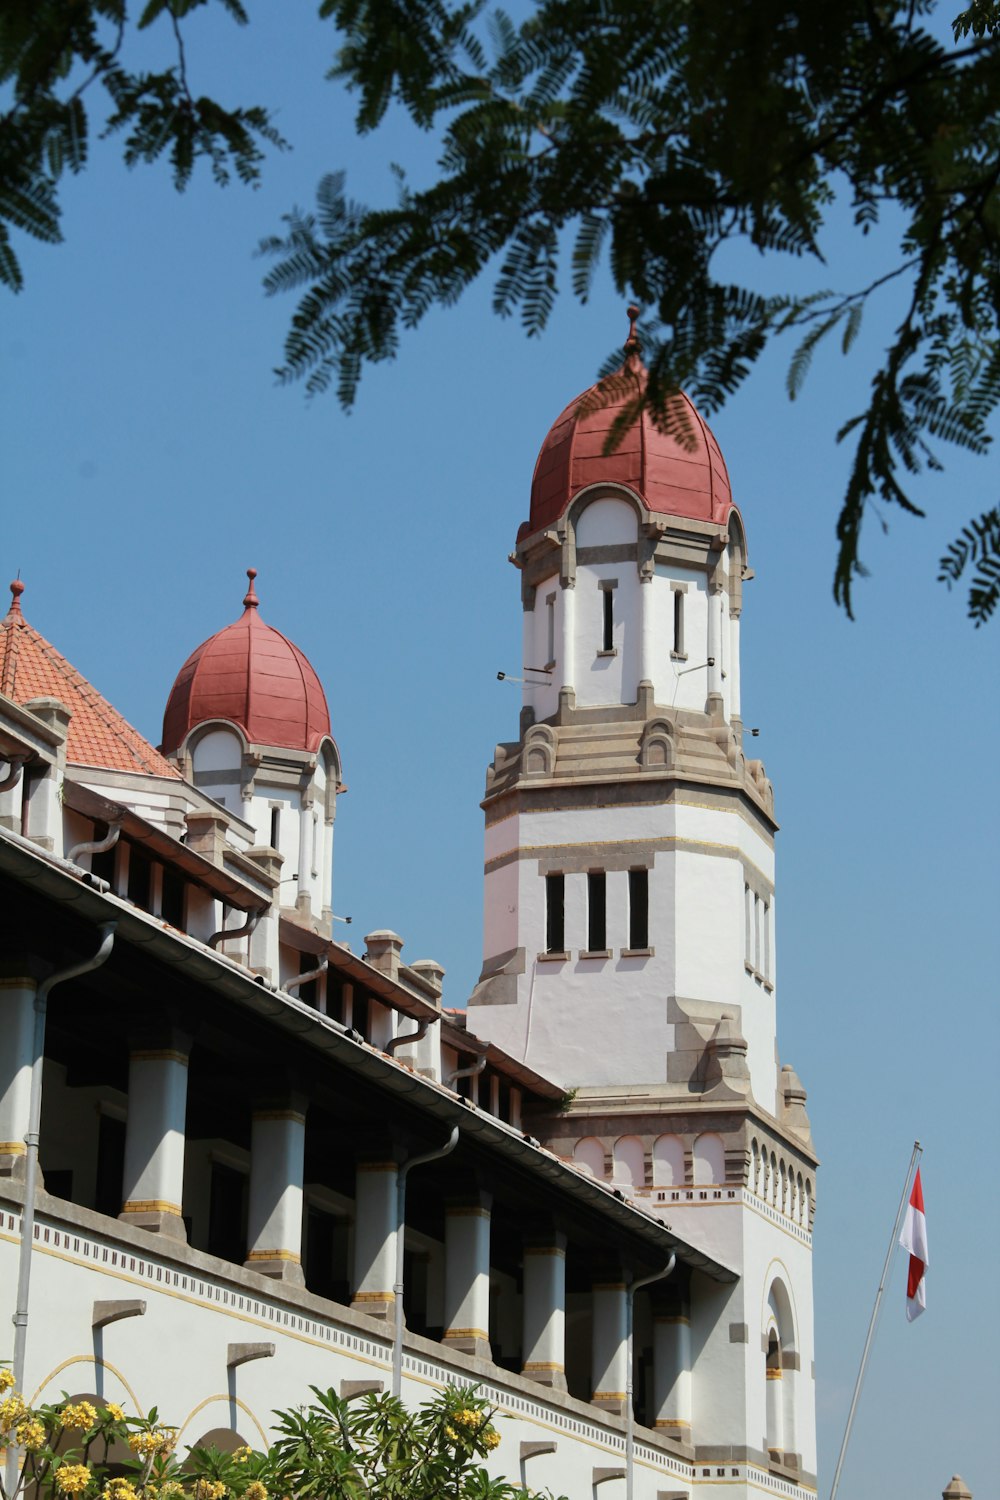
[228, 1098]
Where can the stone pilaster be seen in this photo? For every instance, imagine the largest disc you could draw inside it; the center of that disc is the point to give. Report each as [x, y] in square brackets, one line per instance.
[544, 1341]
[153, 1179]
[375, 1237]
[467, 1274]
[277, 1154]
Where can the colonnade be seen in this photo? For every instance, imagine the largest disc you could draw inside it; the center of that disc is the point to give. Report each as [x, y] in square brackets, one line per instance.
[153, 1198]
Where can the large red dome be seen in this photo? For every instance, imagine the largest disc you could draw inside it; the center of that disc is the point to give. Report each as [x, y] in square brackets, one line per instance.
[252, 675]
[673, 476]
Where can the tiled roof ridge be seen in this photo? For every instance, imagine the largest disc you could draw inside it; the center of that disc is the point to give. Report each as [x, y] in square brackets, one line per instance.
[110, 717]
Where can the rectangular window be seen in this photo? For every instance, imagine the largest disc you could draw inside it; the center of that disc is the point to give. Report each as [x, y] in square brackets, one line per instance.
[550, 610]
[597, 919]
[756, 933]
[110, 1165]
[275, 827]
[555, 913]
[747, 926]
[678, 623]
[766, 968]
[638, 908]
[608, 601]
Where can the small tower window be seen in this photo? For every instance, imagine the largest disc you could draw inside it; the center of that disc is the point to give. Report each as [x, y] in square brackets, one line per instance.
[678, 623]
[597, 918]
[609, 619]
[550, 614]
[275, 827]
[555, 913]
[638, 908]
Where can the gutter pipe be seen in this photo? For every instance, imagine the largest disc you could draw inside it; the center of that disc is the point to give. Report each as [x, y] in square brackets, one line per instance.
[16, 763]
[98, 846]
[423, 1026]
[635, 1286]
[225, 933]
[399, 1316]
[107, 931]
[472, 1072]
[290, 985]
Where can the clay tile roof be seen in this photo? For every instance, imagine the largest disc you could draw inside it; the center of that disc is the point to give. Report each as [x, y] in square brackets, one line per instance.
[678, 473]
[253, 676]
[30, 667]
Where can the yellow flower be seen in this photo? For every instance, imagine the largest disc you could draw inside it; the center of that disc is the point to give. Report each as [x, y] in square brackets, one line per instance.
[12, 1409]
[490, 1438]
[255, 1491]
[115, 1411]
[148, 1443]
[241, 1455]
[72, 1478]
[170, 1489]
[6, 1379]
[450, 1433]
[31, 1434]
[467, 1417]
[209, 1489]
[81, 1416]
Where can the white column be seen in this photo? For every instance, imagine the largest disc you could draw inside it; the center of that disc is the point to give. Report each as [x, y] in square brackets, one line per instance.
[715, 604]
[153, 1179]
[375, 1238]
[544, 1342]
[645, 629]
[277, 1155]
[328, 866]
[17, 1025]
[672, 1374]
[303, 895]
[775, 1412]
[733, 667]
[568, 644]
[467, 1275]
[609, 1347]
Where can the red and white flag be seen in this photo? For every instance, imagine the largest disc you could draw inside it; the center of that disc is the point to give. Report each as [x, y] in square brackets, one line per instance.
[914, 1240]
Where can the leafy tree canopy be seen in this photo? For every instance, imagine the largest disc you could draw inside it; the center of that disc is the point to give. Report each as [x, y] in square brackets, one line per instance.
[645, 135]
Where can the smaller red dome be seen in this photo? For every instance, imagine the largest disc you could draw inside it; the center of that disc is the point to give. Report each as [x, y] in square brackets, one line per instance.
[252, 675]
[672, 477]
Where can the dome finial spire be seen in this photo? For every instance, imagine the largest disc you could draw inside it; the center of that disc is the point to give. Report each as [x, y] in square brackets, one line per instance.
[250, 600]
[633, 347]
[16, 590]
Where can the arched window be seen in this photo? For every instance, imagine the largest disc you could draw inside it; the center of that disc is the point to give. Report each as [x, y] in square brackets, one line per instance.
[780, 1371]
[709, 1159]
[589, 1154]
[774, 1404]
[630, 1161]
[774, 1180]
[755, 1167]
[668, 1161]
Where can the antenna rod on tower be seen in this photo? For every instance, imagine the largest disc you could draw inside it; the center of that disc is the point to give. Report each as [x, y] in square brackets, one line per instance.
[917, 1149]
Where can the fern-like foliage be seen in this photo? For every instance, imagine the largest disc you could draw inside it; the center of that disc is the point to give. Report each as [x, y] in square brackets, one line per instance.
[978, 549]
[646, 135]
[55, 59]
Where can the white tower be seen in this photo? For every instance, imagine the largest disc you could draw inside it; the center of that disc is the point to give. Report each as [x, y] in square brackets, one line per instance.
[629, 925]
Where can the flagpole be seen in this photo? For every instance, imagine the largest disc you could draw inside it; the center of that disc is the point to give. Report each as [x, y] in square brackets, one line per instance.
[917, 1149]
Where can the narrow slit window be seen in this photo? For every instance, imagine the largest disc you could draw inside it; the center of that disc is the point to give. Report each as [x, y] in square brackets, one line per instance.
[555, 913]
[275, 827]
[766, 960]
[550, 611]
[678, 623]
[608, 605]
[638, 908]
[597, 911]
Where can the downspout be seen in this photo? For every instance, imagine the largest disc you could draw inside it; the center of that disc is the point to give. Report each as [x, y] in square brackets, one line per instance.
[107, 931]
[16, 763]
[299, 979]
[411, 1036]
[629, 1379]
[472, 1072]
[98, 846]
[399, 1317]
[226, 933]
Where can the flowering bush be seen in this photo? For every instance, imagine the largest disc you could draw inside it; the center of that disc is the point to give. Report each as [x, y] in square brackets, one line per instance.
[370, 1448]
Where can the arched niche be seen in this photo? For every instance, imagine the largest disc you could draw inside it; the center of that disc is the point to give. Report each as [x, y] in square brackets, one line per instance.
[606, 520]
[709, 1158]
[630, 1161]
[668, 1161]
[589, 1155]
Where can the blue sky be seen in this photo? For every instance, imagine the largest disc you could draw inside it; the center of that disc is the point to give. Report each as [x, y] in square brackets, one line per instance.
[149, 458]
